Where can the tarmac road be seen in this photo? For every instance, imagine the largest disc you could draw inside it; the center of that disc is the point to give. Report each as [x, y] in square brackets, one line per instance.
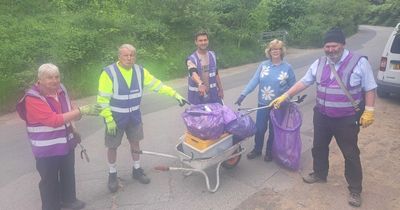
[163, 127]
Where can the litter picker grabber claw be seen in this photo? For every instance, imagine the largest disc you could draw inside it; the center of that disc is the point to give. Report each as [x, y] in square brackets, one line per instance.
[84, 153]
[246, 111]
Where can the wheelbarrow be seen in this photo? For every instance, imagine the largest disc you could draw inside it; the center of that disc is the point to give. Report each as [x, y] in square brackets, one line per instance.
[228, 159]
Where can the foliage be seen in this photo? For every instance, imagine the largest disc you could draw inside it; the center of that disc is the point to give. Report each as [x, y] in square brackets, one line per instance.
[386, 13]
[82, 36]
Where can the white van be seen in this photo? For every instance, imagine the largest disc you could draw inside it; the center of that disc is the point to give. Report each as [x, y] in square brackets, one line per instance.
[388, 77]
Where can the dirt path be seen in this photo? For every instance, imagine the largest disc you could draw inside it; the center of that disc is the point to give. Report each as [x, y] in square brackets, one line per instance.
[380, 156]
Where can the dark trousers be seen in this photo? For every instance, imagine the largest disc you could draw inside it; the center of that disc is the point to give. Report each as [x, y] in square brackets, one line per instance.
[263, 123]
[57, 182]
[345, 130]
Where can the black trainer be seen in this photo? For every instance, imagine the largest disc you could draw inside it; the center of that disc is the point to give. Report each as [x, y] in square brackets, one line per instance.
[313, 178]
[113, 182]
[268, 156]
[355, 199]
[253, 154]
[139, 175]
[76, 205]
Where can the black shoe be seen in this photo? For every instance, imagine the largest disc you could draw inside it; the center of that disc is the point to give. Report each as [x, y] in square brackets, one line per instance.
[113, 182]
[355, 199]
[140, 176]
[253, 154]
[268, 158]
[76, 205]
[313, 178]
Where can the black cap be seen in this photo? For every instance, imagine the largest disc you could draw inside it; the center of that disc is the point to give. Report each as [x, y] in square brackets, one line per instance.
[335, 35]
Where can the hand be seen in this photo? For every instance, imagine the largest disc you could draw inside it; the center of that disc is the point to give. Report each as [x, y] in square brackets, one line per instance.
[239, 100]
[91, 109]
[368, 117]
[181, 100]
[221, 93]
[202, 89]
[277, 101]
[111, 128]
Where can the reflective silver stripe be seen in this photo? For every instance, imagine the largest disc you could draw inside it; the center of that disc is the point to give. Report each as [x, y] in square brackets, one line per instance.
[191, 88]
[44, 143]
[139, 77]
[106, 95]
[126, 97]
[124, 110]
[153, 81]
[337, 91]
[158, 87]
[66, 97]
[40, 129]
[104, 105]
[336, 104]
[212, 85]
[115, 81]
[212, 74]
[194, 58]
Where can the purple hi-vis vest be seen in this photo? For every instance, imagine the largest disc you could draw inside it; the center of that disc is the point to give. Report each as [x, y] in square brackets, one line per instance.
[48, 141]
[193, 91]
[125, 101]
[331, 99]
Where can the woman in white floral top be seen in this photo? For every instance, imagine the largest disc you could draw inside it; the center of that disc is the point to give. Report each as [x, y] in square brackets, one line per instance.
[274, 77]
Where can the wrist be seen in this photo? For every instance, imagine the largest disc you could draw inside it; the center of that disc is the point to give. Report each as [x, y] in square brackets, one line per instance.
[200, 83]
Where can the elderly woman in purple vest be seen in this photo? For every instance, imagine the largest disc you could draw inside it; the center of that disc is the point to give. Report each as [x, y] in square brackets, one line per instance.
[204, 83]
[47, 111]
[336, 112]
[273, 77]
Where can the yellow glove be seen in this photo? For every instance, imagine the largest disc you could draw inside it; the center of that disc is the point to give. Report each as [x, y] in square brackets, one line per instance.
[181, 100]
[368, 117]
[111, 127]
[277, 101]
[91, 109]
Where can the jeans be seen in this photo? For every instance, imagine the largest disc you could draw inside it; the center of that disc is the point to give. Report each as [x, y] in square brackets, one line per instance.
[263, 123]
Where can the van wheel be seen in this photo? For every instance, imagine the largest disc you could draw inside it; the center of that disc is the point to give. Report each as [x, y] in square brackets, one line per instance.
[381, 93]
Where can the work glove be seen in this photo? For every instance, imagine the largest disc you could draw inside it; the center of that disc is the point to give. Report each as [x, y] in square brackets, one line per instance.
[90, 109]
[368, 117]
[277, 101]
[240, 100]
[111, 128]
[181, 100]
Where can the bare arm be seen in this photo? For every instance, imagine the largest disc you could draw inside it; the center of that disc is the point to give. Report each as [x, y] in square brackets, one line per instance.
[370, 98]
[296, 88]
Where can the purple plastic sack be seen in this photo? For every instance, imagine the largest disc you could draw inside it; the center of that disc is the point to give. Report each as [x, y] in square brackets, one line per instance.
[206, 121]
[242, 127]
[286, 147]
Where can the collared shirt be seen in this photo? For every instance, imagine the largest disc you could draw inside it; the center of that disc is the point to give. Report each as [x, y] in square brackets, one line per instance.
[362, 73]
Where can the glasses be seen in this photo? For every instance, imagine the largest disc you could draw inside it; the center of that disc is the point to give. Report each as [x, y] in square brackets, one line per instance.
[276, 49]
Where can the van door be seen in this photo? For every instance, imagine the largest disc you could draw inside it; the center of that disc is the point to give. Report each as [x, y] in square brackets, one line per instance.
[392, 73]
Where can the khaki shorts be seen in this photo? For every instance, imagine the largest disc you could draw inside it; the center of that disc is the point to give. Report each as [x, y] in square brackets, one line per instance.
[134, 133]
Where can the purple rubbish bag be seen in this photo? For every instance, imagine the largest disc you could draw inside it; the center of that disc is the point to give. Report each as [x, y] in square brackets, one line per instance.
[242, 127]
[286, 147]
[205, 121]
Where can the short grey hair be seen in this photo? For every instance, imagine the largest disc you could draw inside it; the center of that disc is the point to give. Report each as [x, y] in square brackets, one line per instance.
[47, 68]
[127, 46]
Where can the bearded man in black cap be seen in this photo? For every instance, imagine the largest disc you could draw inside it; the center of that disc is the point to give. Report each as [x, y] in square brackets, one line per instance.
[337, 109]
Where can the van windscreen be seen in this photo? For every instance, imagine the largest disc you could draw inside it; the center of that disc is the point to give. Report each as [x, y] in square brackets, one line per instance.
[396, 45]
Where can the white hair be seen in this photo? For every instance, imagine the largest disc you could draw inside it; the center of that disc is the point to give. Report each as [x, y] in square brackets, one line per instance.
[127, 46]
[47, 68]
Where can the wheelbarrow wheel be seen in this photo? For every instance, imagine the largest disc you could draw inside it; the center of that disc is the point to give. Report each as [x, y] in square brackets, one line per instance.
[232, 163]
